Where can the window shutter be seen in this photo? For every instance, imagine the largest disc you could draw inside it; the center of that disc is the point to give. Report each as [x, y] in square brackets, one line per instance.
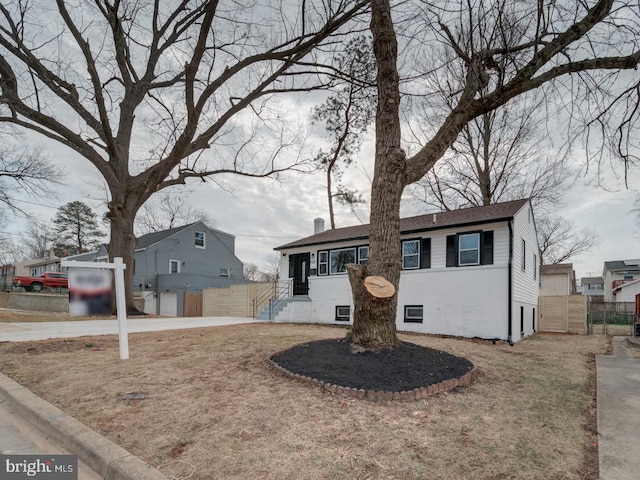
[425, 253]
[452, 250]
[486, 248]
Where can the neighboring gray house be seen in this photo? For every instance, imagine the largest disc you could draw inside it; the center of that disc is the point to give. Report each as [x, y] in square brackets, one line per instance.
[593, 287]
[183, 259]
[169, 263]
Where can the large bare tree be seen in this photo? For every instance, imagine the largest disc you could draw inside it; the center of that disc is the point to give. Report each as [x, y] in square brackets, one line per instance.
[589, 50]
[156, 93]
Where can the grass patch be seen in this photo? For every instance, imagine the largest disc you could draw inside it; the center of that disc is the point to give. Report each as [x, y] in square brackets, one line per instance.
[214, 410]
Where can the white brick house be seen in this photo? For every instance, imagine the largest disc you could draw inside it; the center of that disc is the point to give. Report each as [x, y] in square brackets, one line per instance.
[471, 272]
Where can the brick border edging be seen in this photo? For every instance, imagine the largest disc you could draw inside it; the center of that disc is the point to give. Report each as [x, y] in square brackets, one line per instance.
[378, 395]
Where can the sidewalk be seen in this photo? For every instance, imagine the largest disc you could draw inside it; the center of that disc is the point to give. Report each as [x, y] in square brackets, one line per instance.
[618, 413]
[25, 331]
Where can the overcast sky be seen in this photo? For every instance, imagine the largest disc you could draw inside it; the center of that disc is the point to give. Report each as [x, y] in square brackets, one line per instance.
[264, 213]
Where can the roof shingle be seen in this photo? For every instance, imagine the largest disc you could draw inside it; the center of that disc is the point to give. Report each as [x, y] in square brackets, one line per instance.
[420, 223]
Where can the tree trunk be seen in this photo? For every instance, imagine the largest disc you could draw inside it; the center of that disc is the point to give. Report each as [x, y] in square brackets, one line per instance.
[374, 320]
[330, 197]
[122, 244]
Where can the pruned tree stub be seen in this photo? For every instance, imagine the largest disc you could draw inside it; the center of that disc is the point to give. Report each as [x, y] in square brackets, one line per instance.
[379, 287]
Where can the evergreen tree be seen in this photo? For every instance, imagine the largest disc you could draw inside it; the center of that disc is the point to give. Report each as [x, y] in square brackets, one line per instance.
[77, 228]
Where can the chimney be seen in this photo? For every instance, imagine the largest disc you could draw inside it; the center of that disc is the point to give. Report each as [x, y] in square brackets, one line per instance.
[434, 219]
[318, 225]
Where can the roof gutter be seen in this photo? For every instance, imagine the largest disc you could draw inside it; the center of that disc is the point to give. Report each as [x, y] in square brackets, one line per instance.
[510, 286]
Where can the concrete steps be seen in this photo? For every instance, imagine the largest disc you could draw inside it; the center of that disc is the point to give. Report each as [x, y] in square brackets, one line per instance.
[278, 305]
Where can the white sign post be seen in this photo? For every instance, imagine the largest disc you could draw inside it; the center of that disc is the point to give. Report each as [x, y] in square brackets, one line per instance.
[121, 306]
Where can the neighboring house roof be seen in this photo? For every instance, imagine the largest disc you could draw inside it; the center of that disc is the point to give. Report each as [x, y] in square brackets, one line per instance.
[463, 217]
[50, 261]
[622, 266]
[152, 238]
[557, 268]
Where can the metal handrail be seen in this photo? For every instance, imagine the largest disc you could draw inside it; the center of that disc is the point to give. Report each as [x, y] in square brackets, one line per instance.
[271, 296]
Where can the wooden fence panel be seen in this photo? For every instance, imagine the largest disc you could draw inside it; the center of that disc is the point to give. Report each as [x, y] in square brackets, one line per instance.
[234, 301]
[192, 304]
[553, 314]
[563, 314]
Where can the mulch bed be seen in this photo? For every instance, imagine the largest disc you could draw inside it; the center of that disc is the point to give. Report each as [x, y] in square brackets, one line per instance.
[403, 368]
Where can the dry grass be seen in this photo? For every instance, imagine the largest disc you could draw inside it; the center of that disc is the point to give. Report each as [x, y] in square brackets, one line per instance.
[214, 410]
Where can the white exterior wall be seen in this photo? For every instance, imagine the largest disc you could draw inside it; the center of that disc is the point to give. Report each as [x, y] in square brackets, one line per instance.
[628, 292]
[611, 277]
[525, 285]
[467, 301]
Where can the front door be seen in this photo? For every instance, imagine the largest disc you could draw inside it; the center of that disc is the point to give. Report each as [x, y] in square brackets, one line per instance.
[300, 265]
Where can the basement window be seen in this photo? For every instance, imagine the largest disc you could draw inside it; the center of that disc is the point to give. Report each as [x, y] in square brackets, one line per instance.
[413, 313]
[343, 313]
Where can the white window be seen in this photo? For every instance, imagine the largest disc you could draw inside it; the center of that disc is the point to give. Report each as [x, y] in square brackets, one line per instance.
[225, 272]
[411, 254]
[413, 313]
[363, 255]
[524, 255]
[174, 266]
[342, 313]
[341, 258]
[200, 240]
[323, 263]
[469, 249]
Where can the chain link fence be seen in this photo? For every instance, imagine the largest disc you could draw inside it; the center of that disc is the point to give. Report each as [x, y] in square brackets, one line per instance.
[613, 319]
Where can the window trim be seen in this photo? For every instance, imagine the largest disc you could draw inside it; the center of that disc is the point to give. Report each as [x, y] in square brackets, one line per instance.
[460, 249]
[535, 266]
[355, 252]
[178, 263]
[204, 240]
[524, 256]
[417, 254]
[363, 260]
[343, 318]
[324, 263]
[413, 319]
[225, 272]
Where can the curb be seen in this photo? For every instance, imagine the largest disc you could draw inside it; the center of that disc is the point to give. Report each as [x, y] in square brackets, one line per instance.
[101, 455]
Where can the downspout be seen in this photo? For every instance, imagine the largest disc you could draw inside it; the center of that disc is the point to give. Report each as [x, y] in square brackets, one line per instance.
[510, 285]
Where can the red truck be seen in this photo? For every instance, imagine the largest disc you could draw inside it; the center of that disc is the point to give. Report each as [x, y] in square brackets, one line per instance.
[35, 284]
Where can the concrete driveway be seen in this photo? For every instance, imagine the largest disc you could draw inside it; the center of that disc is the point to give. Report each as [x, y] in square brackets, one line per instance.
[618, 413]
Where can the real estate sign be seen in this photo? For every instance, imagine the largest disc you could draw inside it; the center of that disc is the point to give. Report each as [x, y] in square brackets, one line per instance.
[89, 291]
